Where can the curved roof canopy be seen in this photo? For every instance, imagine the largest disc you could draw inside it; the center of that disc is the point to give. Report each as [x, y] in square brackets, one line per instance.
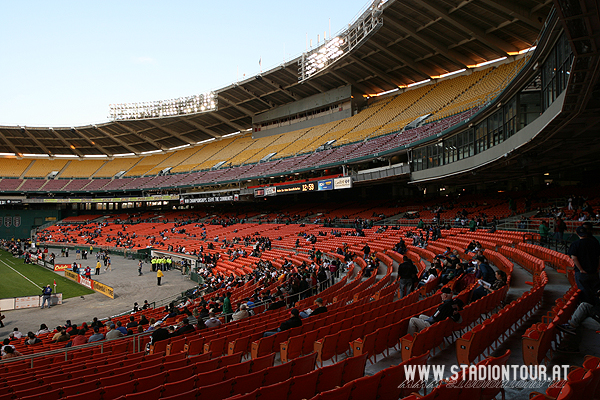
[415, 40]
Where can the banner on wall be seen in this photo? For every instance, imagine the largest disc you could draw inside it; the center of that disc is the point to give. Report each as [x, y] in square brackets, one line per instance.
[90, 284]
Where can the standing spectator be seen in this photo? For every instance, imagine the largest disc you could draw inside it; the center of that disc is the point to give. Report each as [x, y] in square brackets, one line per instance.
[46, 294]
[559, 229]
[98, 267]
[585, 254]
[88, 272]
[227, 310]
[543, 232]
[407, 272]
[140, 264]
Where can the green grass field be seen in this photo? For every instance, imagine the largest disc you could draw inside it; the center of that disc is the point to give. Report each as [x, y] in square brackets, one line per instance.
[19, 279]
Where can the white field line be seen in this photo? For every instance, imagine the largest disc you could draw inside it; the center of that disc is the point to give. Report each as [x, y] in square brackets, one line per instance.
[32, 282]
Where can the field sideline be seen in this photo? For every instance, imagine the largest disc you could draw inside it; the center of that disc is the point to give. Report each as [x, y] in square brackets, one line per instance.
[19, 279]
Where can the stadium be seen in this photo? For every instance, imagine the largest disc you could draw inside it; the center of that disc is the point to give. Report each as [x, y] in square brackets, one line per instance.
[456, 137]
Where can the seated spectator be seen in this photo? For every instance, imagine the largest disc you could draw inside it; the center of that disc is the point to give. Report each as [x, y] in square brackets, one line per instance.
[586, 315]
[113, 333]
[158, 335]
[32, 339]
[485, 288]
[151, 325]
[241, 313]
[185, 327]
[277, 304]
[43, 329]
[121, 328]
[96, 323]
[132, 322]
[143, 320]
[61, 336]
[5, 344]
[10, 352]
[15, 334]
[80, 338]
[96, 336]
[200, 325]
[320, 309]
[294, 322]
[212, 321]
[448, 309]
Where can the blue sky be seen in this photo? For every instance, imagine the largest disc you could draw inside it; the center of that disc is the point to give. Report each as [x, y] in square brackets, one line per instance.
[64, 62]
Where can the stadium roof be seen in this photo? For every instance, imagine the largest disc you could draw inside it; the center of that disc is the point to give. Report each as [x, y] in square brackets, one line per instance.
[418, 39]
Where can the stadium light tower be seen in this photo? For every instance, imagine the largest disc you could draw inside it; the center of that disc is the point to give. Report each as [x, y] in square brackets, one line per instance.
[164, 108]
[329, 52]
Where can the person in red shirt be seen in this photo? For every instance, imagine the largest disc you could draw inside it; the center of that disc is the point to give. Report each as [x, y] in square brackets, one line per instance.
[88, 272]
[80, 338]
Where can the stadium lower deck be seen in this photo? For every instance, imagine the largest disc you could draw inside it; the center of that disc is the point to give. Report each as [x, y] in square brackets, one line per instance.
[349, 352]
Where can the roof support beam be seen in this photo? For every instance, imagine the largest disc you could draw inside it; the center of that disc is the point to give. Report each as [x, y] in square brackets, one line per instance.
[202, 128]
[116, 139]
[515, 10]
[236, 106]
[278, 87]
[375, 70]
[228, 122]
[40, 144]
[170, 132]
[141, 136]
[458, 59]
[9, 143]
[91, 142]
[251, 93]
[67, 144]
[498, 45]
[419, 70]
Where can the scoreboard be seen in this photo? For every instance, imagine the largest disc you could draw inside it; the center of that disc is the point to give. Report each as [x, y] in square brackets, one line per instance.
[305, 187]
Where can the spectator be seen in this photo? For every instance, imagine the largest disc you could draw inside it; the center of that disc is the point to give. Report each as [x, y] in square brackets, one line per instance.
[212, 321]
[185, 327]
[96, 324]
[32, 339]
[121, 328]
[61, 336]
[143, 320]
[132, 323]
[80, 338]
[585, 254]
[586, 315]
[96, 336]
[5, 344]
[407, 272]
[241, 313]
[484, 289]
[10, 352]
[320, 309]
[15, 334]
[448, 309]
[43, 329]
[113, 333]
[294, 322]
